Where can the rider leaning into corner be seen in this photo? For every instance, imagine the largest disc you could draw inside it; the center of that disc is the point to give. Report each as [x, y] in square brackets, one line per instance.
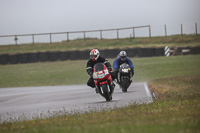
[95, 58]
[120, 60]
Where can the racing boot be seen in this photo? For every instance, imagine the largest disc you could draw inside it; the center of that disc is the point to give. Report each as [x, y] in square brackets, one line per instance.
[97, 90]
[112, 88]
[110, 97]
[131, 80]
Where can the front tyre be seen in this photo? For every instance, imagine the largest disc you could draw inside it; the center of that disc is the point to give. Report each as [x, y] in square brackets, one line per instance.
[106, 92]
[125, 84]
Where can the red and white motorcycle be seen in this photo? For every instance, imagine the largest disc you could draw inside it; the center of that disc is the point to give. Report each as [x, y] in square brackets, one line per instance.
[103, 81]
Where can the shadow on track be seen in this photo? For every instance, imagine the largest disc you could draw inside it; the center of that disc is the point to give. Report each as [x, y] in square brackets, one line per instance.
[124, 92]
[105, 102]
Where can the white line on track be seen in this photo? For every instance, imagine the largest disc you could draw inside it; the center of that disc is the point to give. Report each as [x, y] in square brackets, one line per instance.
[148, 92]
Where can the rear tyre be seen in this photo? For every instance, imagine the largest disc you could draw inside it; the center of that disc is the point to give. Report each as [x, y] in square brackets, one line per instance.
[106, 92]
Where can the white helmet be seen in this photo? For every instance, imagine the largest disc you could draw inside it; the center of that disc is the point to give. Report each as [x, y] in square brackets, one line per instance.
[94, 54]
[122, 55]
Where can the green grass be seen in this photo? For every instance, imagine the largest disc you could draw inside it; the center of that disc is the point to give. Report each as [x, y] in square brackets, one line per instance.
[172, 41]
[175, 110]
[174, 80]
[74, 72]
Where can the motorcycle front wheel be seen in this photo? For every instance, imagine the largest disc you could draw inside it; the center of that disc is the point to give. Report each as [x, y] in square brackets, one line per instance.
[125, 84]
[106, 92]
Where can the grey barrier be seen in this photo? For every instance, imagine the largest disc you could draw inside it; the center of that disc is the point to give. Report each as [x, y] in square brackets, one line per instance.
[43, 56]
[82, 55]
[4, 58]
[13, 59]
[64, 56]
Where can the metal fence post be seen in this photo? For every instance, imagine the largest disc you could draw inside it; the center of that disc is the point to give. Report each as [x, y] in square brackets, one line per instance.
[15, 39]
[150, 31]
[67, 36]
[84, 36]
[133, 32]
[101, 34]
[196, 28]
[50, 38]
[165, 30]
[117, 34]
[181, 29]
[33, 39]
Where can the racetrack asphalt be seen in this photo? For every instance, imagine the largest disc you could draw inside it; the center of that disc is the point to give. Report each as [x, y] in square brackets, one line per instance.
[23, 103]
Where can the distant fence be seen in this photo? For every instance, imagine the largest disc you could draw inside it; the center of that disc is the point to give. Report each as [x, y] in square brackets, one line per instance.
[181, 29]
[82, 55]
[15, 37]
[85, 34]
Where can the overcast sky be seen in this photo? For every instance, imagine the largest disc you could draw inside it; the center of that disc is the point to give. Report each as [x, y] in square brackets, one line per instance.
[42, 16]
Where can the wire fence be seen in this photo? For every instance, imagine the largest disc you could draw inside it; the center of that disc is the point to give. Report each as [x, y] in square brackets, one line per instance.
[101, 32]
[85, 35]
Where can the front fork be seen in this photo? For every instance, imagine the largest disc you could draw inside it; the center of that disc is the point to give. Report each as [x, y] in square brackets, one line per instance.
[119, 79]
[110, 86]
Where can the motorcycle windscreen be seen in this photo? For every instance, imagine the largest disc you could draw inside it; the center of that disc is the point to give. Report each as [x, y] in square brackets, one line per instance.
[99, 67]
[124, 65]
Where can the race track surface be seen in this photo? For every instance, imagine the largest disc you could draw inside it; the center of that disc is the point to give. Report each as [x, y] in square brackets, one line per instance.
[31, 102]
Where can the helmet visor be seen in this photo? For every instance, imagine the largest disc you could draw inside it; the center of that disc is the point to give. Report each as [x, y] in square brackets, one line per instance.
[93, 57]
[123, 58]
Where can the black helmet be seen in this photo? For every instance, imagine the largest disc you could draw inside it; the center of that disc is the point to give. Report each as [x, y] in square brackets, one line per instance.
[122, 55]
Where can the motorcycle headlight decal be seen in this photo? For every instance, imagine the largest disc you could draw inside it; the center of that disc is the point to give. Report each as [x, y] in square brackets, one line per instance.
[100, 72]
[125, 70]
[101, 75]
[95, 75]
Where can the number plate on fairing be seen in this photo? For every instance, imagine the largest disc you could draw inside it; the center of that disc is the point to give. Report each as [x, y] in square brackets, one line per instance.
[125, 70]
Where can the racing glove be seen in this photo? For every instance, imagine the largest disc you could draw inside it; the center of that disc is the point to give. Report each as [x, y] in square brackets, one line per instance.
[109, 69]
[89, 71]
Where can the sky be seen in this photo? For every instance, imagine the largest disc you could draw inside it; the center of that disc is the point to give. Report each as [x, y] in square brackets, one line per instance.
[44, 16]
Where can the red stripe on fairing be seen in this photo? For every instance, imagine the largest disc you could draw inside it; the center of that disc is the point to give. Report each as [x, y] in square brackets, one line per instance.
[101, 83]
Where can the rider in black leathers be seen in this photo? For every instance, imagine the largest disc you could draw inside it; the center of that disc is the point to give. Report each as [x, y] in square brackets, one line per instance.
[95, 58]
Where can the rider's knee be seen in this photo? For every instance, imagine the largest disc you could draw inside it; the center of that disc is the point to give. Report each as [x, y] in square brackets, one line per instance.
[90, 84]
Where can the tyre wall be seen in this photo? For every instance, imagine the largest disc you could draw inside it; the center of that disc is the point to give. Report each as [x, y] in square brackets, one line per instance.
[82, 55]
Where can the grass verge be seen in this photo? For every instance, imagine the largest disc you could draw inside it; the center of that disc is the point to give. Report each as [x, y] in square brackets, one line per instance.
[172, 41]
[74, 72]
[176, 109]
